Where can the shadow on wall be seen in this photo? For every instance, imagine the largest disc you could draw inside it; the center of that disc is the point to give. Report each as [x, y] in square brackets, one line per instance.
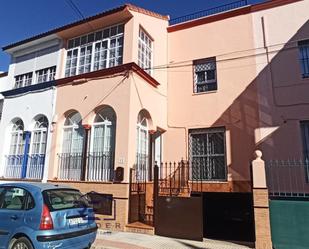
[266, 114]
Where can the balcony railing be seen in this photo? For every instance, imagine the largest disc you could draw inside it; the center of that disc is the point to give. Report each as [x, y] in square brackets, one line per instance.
[14, 164]
[141, 168]
[208, 12]
[34, 166]
[99, 166]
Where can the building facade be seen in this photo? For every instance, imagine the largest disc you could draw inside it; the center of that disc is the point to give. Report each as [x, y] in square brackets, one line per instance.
[97, 103]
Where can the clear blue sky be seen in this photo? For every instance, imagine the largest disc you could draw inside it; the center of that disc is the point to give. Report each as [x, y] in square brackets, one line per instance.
[20, 19]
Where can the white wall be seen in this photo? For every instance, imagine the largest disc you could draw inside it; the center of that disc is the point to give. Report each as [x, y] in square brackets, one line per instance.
[4, 84]
[33, 58]
[26, 107]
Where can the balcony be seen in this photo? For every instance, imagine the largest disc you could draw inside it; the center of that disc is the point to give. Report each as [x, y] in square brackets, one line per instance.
[25, 166]
[95, 166]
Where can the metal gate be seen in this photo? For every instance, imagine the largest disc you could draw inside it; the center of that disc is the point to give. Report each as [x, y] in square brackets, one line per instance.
[137, 199]
[177, 213]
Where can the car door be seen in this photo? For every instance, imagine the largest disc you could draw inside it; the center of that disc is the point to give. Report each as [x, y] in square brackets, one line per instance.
[12, 203]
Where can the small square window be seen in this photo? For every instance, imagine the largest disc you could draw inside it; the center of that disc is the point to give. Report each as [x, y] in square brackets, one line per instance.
[205, 75]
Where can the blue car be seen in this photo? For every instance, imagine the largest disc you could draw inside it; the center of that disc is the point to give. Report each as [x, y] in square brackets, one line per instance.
[39, 215]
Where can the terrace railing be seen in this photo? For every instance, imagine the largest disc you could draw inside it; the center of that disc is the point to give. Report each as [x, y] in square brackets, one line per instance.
[208, 12]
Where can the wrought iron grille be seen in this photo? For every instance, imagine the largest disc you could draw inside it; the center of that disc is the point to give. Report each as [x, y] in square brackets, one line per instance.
[14, 166]
[207, 154]
[99, 166]
[208, 12]
[205, 76]
[142, 167]
[288, 178]
[35, 166]
[70, 166]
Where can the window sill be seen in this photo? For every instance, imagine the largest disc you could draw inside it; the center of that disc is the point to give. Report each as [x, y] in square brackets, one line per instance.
[208, 92]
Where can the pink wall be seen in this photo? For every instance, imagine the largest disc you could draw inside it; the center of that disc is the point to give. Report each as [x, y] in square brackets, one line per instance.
[233, 105]
[283, 97]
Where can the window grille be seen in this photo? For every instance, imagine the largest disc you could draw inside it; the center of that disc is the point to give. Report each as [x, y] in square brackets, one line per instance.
[207, 154]
[205, 75]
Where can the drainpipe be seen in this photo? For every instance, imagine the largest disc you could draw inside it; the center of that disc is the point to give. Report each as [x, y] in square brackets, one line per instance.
[27, 135]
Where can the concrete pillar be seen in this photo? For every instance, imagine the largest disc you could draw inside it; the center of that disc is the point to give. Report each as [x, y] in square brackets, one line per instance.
[261, 204]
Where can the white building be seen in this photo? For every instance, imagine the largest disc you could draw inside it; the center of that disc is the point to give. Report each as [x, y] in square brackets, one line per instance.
[28, 106]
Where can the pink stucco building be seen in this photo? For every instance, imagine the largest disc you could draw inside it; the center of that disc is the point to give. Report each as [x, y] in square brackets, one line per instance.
[133, 91]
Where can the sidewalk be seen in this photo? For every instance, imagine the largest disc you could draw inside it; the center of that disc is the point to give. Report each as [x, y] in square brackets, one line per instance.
[124, 240]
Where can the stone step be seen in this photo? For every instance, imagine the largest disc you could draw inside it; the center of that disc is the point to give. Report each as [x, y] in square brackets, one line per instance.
[138, 227]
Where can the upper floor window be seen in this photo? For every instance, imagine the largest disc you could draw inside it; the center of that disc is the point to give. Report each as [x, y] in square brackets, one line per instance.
[205, 75]
[144, 51]
[46, 74]
[95, 51]
[23, 80]
[304, 57]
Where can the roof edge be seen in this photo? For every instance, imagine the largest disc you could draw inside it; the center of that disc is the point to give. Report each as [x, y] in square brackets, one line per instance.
[3, 74]
[67, 26]
[147, 12]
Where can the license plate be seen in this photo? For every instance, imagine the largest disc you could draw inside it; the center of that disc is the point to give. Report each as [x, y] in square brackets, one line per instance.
[77, 221]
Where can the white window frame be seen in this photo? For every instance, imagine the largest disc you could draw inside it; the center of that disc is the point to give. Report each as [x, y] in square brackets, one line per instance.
[49, 73]
[18, 146]
[142, 146]
[105, 124]
[39, 130]
[23, 80]
[74, 127]
[68, 66]
[142, 56]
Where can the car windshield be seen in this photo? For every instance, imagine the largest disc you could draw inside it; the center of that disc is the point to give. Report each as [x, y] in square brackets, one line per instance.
[59, 199]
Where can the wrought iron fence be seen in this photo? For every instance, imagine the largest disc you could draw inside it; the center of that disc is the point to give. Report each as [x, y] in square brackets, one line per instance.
[99, 166]
[70, 166]
[35, 166]
[173, 178]
[142, 169]
[14, 165]
[288, 178]
[208, 12]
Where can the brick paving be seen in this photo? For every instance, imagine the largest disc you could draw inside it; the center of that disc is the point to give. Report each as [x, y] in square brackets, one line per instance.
[123, 240]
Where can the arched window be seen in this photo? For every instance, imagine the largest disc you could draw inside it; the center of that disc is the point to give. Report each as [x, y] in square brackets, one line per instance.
[39, 136]
[36, 159]
[73, 134]
[102, 147]
[15, 157]
[17, 138]
[142, 147]
[72, 148]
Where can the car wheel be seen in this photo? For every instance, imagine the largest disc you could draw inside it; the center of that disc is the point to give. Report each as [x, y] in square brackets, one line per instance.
[21, 243]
